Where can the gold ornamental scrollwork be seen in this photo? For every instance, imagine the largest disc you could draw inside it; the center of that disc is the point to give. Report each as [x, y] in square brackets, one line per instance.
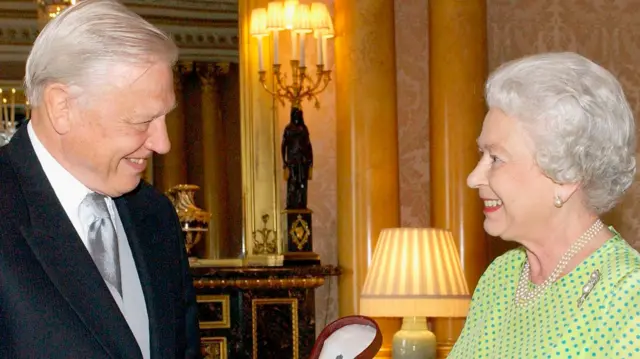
[223, 68]
[208, 73]
[177, 77]
[300, 232]
[265, 240]
[186, 67]
[214, 347]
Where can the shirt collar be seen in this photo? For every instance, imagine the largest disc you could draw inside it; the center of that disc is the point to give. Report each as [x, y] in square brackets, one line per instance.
[68, 189]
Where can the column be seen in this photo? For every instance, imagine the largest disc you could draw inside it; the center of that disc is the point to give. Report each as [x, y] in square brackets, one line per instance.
[213, 163]
[457, 72]
[367, 143]
[171, 169]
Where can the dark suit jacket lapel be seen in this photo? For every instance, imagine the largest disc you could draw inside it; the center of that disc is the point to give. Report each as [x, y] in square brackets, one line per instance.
[139, 223]
[63, 256]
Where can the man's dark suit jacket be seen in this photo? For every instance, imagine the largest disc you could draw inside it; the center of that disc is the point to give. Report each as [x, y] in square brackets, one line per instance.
[53, 301]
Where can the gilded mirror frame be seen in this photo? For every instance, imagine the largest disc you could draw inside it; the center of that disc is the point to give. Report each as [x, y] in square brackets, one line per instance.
[260, 144]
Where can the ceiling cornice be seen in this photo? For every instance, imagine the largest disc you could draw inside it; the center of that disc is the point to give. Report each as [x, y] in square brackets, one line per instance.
[204, 30]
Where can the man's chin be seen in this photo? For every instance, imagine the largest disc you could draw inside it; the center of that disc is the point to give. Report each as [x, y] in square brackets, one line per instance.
[125, 187]
[132, 184]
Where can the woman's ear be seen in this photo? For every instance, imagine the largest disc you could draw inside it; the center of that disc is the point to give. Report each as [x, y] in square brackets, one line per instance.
[56, 100]
[566, 191]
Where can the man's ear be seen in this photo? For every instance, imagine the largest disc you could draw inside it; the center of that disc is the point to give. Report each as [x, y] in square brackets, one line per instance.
[56, 101]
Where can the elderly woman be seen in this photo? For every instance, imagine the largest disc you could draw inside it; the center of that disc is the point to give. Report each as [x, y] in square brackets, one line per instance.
[558, 147]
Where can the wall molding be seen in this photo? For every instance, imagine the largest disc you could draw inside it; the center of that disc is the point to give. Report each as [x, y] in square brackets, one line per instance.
[204, 30]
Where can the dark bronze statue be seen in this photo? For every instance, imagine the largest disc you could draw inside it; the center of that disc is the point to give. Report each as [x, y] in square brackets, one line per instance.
[297, 158]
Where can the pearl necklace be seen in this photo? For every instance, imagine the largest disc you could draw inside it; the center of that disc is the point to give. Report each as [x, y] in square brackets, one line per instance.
[525, 296]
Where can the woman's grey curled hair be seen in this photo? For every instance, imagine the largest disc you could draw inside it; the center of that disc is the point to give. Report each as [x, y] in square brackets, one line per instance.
[80, 47]
[577, 114]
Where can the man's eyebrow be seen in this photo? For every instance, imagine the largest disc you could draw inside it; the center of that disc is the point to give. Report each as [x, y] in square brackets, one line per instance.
[164, 112]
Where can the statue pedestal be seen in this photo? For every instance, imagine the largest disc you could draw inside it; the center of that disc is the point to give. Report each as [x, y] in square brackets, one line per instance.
[299, 243]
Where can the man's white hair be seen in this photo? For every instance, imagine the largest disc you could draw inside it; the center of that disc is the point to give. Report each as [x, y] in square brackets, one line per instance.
[579, 118]
[81, 46]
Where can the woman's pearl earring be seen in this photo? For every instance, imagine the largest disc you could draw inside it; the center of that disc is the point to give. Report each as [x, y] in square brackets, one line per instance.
[557, 201]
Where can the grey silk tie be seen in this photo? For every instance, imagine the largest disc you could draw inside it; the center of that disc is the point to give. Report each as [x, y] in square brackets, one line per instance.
[102, 240]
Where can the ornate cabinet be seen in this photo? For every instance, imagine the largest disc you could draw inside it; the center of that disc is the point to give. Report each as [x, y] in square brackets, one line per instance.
[258, 312]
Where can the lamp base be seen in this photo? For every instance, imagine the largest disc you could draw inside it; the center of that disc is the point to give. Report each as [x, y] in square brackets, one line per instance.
[414, 340]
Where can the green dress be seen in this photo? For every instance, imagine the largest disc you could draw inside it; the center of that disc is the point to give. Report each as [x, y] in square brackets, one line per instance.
[605, 325]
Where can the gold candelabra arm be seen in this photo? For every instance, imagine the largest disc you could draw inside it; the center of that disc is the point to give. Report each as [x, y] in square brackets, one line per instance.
[302, 85]
[314, 88]
[287, 91]
[276, 94]
[282, 91]
[319, 85]
[326, 78]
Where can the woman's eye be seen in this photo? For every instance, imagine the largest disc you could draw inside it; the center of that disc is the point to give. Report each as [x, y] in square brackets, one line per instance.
[494, 159]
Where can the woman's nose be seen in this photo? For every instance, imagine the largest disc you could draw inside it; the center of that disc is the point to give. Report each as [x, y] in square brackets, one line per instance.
[477, 177]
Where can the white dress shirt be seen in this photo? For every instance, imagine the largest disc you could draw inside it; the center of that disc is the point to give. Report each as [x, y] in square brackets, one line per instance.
[71, 193]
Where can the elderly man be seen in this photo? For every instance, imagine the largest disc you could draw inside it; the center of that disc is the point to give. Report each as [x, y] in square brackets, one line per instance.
[92, 264]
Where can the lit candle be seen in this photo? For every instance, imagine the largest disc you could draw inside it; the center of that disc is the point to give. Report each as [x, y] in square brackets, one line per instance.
[6, 112]
[13, 106]
[319, 49]
[276, 48]
[260, 67]
[324, 52]
[302, 36]
[294, 45]
[28, 111]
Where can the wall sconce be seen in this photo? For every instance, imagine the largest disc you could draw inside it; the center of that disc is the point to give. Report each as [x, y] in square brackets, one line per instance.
[300, 20]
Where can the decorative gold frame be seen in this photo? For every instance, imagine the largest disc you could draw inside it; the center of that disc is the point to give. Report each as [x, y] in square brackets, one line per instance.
[293, 302]
[225, 323]
[299, 232]
[210, 344]
[260, 149]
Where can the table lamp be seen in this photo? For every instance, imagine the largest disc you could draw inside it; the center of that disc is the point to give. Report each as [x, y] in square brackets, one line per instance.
[415, 273]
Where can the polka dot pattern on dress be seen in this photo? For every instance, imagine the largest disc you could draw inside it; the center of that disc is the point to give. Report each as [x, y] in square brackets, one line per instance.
[605, 325]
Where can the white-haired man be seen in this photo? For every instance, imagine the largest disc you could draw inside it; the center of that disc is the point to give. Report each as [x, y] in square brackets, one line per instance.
[92, 263]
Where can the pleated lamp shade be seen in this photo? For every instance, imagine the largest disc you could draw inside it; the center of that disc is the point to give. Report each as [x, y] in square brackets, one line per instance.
[415, 272]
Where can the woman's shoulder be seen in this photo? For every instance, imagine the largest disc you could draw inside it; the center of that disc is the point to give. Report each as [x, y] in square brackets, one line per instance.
[621, 262]
[510, 260]
[508, 263]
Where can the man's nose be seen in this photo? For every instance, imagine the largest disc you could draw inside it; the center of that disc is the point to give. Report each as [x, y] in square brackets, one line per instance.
[158, 140]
